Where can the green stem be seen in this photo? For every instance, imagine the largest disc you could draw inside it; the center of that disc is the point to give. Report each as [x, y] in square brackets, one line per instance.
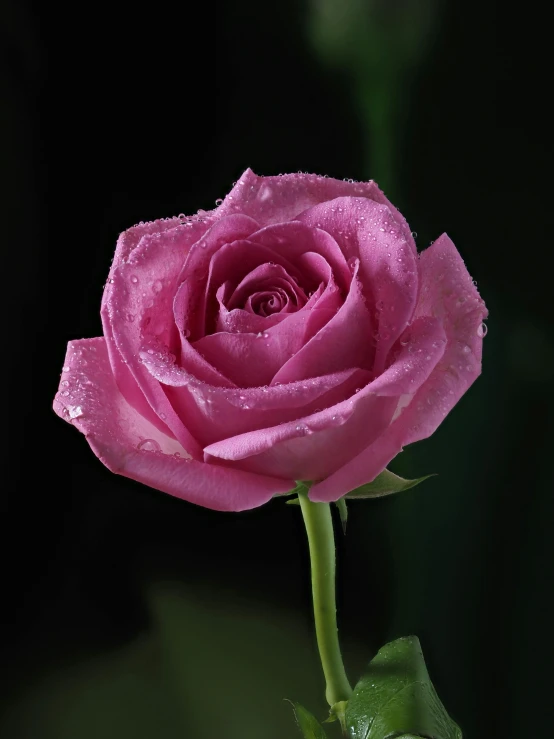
[319, 527]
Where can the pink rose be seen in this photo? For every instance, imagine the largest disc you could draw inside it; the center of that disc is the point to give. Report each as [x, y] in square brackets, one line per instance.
[293, 333]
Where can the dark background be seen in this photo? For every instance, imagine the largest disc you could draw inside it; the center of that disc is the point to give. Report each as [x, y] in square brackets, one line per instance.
[129, 614]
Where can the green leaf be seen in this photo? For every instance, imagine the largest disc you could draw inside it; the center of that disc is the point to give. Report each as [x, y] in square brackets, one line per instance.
[396, 698]
[343, 513]
[386, 483]
[309, 726]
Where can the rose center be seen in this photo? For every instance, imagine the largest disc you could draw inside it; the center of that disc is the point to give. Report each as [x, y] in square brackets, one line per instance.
[267, 290]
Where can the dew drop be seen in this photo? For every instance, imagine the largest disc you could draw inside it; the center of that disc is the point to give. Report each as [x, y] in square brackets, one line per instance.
[134, 279]
[75, 411]
[66, 368]
[157, 286]
[148, 445]
[482, 330]
[130, 317]
[219, 201]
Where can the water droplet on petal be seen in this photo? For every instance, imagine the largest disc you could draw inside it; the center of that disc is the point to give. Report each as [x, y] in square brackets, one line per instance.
[130, 317]
[148, 445]
[66, 368]
[482, 330]
[75, 411]
[134, 279]
[219, 201]
[157, 286]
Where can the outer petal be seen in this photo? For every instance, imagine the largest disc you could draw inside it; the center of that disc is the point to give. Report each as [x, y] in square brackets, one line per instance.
[282, 198]
[138, 301]
[214, 413]
[124, 441]
[129, 239]
[126, 244]
[315, 446]
[447, 292]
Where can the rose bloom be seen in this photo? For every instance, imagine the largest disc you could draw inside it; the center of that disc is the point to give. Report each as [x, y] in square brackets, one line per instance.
[293, 333]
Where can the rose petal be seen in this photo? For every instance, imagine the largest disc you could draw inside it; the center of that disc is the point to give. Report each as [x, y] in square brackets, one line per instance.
[388, 264]
[129, 239]
[264, 276]
[232, 263]
[138, 300]
[315, 446]
[189, 302]
[129, 445]
[344, 341]
[214, 413]
[448, 292]
[280, 199]
[251, 360]
[292, 241]
[126, 243]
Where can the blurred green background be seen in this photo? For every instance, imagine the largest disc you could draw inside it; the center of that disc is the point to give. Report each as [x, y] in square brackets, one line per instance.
[129, 615]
